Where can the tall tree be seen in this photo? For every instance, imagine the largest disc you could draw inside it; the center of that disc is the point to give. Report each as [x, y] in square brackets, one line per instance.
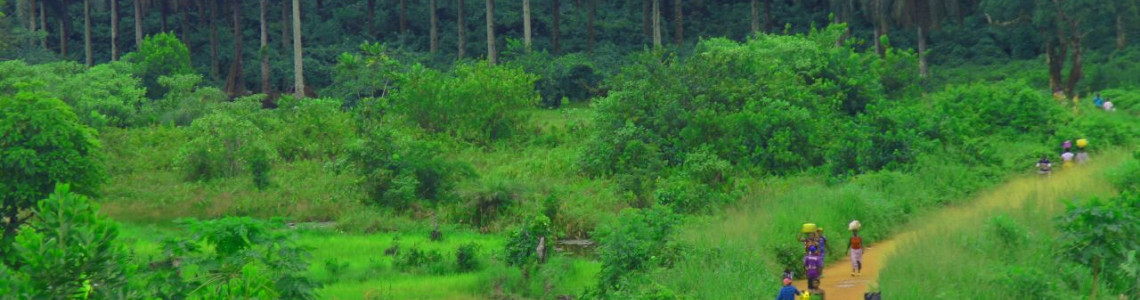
[264, 51]
[462, 31]
[87, 31]
[114, 30]
[590, 22]
[679, 36]
[285, 16]
[920, 15]
[43, 27]
[32, 18]
[235, 85]
[876, 13]
[656, 23]
[138, 24]
[555, 16]
[164, 11]
[298, 68]
[403, 16]
[646, 15]
[755, 16]
[526, 24]
[491, 55]
[371, 15]
[214, 67]
[434, 33]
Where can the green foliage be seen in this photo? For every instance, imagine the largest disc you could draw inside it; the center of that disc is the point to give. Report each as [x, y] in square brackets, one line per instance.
[249, 258]
[467, 257]
[571, 77]
[185, 99]
[42, 144]
[520, 248]
[632, 243]
[1099, 234]
[224, 145]
[1008, 109]
[69, 250]
[312, 129]
[369, 73]
[473, 102]
[160, 55]
[415, 259]
[103, 95]
[398, 172]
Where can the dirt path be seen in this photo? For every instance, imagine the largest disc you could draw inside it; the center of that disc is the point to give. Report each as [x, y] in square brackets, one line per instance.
[837, 282]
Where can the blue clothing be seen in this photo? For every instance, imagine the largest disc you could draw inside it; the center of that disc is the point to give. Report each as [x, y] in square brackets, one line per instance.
[822, 246]
[1098, 102]
[813, 264]
[788, 292]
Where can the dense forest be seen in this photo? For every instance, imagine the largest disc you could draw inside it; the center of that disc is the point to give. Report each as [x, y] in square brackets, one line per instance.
[560, 149]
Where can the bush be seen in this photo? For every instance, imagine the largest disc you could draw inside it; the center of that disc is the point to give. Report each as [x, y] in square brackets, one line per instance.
[397, 172]
[312, 129]
[467, 257]
[474, 102]
[160, 55]
[224, 145]
[185, 100]
[520, 248]
[43, 144]
[628, 244]
[413, 259]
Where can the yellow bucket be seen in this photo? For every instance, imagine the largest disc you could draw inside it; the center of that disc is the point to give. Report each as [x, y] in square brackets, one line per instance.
[1081, 143]
[808, 228]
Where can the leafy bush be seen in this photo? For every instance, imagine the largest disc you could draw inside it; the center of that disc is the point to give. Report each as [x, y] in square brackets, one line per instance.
[629, 244]
[397, 172]
[160, 55]
[185, 100]
[369, 73]
[312, 129]
[520, 248]
[414, 259]
[572, 77]
[473, 102]
[224, 145]
[43, 144]
[70, 250]
[467, 257]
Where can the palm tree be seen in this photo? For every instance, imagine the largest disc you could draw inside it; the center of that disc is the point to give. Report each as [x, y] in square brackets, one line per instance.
[491, 55]
[114, 30]
[298, 68]
[434, 33]
[462, 29]
[235, 86]
[264, 51]
[526, 24]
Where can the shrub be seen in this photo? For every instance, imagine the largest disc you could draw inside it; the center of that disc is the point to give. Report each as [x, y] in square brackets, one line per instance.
[474, 102]
[397, 172]
[43, 144]
[160, 55]
[627, 244]
[413, 259]
[467, 257]
[224, 145]
[185, 100]
[69, 250]
[520, 248]
[312, 129]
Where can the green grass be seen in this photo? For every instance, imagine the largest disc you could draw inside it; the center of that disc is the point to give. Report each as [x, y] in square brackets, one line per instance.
[1001, 249]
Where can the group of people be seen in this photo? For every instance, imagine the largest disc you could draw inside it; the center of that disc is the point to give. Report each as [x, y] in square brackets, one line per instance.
[815, 246]
[1104, 104]
[1068, 158]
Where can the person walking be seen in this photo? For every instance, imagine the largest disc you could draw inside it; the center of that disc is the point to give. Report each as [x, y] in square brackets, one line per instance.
[855, 248]
[788, 292]
[813, 267]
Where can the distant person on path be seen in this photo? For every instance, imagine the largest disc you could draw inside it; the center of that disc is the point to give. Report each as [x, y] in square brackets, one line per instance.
[788, 274]
[822, 242]
[1044, 166]
[1108, 105]
[855, 247]
[1098, 102]
[788, 292]
[1067, 159]
[1066, 146]
[813, 265]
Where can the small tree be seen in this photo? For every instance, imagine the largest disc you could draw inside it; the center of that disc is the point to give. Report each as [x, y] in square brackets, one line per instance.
[1098, 234]
[41, 143]
[160, 55]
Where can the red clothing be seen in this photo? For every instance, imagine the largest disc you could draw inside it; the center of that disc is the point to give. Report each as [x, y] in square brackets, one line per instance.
[856, 242]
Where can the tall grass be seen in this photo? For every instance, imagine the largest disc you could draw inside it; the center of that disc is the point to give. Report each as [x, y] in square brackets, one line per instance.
[1001, 247]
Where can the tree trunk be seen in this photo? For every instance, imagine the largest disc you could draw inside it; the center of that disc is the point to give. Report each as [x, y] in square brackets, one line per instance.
[1076, 69]
[264, 51]
[656, 24]
[87, 31]
[922, 69]
[526, 24]
[285, 17]
[491, 55]
[878, 37]
[590, 23]
[554, 26]
[434, 33]
[114, 30]
[43, 27]
[235, 86]
[1055, 58]
[679, 36]
[368, 28]
[214, 68]
[1096, 276]
[298, 68]
[1120, 31]
[646, 13]
[767, 15]
[403, 16]
[32, 18]
[462, 29]
[164, 9]
[185, 24]
[62, 38]
[138, 24]
[755, 16]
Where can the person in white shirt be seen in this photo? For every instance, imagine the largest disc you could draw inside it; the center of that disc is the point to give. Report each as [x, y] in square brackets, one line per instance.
[1108, 105]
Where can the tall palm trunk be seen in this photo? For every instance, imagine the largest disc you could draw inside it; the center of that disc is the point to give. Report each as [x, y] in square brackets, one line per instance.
[491, 55]
[656, 23]
[138, 24]
[298, 67]
[679, 35]
[235, 85]
[755, 16]
[462, 29]
[215, 70]
[87, 31]
[526, 24]
[264, 51]
[557, 14]
[32, 19]
[434, 33]
[114, 30]
[590, 23]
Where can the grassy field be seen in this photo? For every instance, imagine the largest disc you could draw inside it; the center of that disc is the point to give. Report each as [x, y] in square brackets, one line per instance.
[1002, 247]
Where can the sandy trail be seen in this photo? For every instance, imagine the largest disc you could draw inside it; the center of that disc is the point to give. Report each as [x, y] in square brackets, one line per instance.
[837, 282]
